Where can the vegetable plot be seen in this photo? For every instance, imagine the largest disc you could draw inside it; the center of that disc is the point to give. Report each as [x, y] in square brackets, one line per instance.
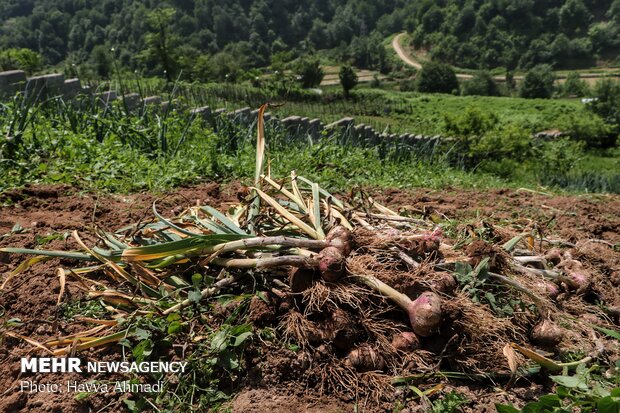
[372, 299]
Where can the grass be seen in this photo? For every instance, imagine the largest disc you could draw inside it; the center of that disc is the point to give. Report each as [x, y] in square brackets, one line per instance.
[411, 112]
[107, 149]
[588, 390]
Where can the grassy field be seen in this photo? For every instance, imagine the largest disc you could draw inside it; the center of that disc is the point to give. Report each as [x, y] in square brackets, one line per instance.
[411, 112]
[146, 152]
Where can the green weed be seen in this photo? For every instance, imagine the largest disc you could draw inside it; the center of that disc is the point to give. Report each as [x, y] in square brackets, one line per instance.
[583, 391]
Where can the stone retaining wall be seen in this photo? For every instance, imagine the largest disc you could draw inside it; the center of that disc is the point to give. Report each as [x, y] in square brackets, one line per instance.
[51, 85]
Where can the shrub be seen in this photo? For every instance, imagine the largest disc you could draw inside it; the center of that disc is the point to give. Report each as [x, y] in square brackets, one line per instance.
[310, 72]
[376, 82]
[24, 59]
[479, 138]
[506, 142]
[574, 86]
[606, 102]
[437, 78]
[481, 84]
[555, 159]
[348, 78]
[591, 130]
[473, 122]
[538, 83]
[406, 85]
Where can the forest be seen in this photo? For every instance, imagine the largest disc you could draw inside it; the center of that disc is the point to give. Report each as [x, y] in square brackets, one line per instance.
[219, 40]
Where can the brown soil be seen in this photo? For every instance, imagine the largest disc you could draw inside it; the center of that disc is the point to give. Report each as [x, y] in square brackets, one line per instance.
[570, 218]
[274, 381]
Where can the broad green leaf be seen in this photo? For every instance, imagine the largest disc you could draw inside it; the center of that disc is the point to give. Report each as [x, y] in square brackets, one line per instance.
[510, 245]
[239, 329]
[142, 350]
[194, 296]
[142, 334]
[241, 338]
[550, 400]
[462, 268]
[504, 408]
[263, 296]
[608, 404]
[196, 279]
[228, 360]
[82, 395]
[571, 382]
[610, 333]
[482, 268]
[175, 327]
[219, 341]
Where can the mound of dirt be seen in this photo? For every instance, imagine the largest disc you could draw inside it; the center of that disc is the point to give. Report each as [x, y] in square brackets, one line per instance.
[331, 318]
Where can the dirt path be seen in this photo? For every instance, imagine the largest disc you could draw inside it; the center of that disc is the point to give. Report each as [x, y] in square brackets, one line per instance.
[401, 53]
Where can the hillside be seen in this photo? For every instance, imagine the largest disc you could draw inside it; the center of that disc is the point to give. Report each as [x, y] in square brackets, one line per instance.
[206, 39]
[517, 34]
[217, 40]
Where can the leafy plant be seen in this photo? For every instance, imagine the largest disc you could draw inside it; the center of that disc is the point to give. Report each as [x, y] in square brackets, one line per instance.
[582, 391]
[449, 403]
[481, 84]
[538, 83]
[348, 78]
[475, 283]
[437, 78]
[310, 72]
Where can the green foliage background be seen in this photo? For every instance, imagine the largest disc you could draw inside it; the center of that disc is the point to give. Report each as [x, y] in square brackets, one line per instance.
[207, 39]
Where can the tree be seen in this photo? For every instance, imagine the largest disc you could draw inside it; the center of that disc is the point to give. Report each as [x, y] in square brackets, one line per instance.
[437, 78]
[102, 61]
[160, 41]
[481, 84]
[368, 52]
[603, 35]
[606, 104]
[319, 35]
[511, 84]
[574, 16]
[432, 19]
[538, 83]
[348, 79]
[310, 72]
[574, 85]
